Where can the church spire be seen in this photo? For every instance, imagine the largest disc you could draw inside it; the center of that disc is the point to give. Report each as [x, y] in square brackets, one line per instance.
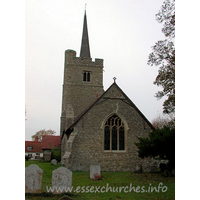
[85, 47]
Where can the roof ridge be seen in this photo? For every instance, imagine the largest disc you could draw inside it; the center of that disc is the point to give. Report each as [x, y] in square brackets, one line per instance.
[91, 105]
[51, 135]
[137, 109]
[88, 108]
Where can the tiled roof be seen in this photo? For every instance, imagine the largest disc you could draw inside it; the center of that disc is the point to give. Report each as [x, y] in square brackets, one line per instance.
[51, 141]
[35, 146]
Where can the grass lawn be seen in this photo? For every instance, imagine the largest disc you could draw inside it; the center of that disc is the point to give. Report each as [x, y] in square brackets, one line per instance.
[143, 182]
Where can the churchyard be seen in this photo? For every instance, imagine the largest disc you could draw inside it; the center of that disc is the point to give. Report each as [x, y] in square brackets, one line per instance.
[110, 185]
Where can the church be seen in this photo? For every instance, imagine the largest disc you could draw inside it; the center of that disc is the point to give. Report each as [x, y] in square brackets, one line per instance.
[98, 127]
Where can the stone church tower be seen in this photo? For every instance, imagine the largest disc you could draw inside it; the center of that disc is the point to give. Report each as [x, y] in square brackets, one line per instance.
[83, 81]
[98, 127]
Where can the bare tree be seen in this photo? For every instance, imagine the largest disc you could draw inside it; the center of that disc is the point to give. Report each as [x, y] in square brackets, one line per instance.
[162, 121]
[163, 55]
[43, 132]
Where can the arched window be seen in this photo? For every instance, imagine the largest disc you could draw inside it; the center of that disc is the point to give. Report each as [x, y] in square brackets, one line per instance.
[114, 134]
[86, 76]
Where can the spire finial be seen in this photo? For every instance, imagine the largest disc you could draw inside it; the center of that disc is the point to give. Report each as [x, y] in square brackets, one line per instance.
[85, 6]
[114, 79]
[85, 47]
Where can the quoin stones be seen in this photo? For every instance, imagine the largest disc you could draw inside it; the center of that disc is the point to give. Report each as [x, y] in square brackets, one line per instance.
[94, 170]
[61, 180]
[33, 179]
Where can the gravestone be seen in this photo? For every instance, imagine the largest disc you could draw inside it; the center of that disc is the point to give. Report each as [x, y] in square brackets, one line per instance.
[137, 169]
[94, 169]
[65, 198]
[47, 156]
[33, 179]
[54, 162]
[153, 169]
[61, 180]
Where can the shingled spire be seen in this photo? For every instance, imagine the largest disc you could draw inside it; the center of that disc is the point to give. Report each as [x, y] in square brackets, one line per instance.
[85, 47]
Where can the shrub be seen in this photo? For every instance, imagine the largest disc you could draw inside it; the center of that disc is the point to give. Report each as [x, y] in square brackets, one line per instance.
[56, 154]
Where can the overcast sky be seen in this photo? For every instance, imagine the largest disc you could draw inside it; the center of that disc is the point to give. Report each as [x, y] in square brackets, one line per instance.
[121, 32]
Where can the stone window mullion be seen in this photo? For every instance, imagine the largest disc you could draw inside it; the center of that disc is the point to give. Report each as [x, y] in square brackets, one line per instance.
[115, 127]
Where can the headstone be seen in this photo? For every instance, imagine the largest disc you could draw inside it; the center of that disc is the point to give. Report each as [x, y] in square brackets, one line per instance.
[153, 169]
[65, 198]
[33, 179]
[94, 169]
[47, 156]
[54, 162]
[137, 169]
[61, 179]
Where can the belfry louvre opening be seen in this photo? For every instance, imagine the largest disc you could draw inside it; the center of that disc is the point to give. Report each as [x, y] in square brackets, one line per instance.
[86, 76]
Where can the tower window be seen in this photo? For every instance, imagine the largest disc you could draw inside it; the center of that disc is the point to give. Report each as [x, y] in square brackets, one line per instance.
[86, 76]
[114, 134]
